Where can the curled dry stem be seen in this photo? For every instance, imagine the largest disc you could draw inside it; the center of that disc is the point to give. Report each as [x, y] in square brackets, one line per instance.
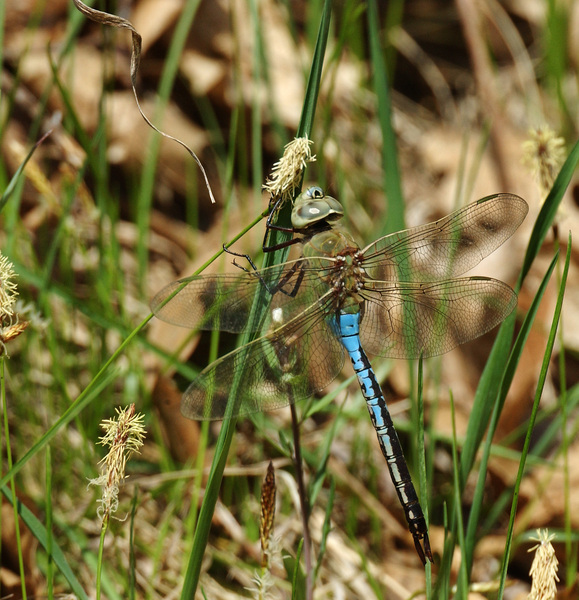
[108, 19]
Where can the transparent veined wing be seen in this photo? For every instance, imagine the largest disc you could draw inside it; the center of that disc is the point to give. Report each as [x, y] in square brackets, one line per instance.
[448, 247]
[293, 360]
[406, 320]
[223, 302]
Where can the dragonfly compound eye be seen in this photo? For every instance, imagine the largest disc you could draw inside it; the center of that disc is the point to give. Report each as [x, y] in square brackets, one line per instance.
[315, 192]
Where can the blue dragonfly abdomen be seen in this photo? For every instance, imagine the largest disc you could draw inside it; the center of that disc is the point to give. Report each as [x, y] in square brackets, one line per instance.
[348, 326]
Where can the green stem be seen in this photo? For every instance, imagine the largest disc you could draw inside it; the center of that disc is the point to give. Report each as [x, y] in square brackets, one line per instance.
[12, 482]
[100, 556]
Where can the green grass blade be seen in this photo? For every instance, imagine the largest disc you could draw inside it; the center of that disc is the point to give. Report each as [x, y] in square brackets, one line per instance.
[49, 524]
[506, 380]
[492, 374]
[538, 394]
[39, 532]
[392, 185]
[149, 171]
[305, 125]
[315, 78]
[14, 179]
[326, 528]
[463, 576]
[422, 475]
[298, 579]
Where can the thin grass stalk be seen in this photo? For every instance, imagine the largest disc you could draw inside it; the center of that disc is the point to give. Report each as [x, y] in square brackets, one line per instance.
[461, 169]
[132, 555]
[258, 75]
[392, 185]
[228, 176]
[99, 572]
[74, 24]
[538, 393]
[12, 481]
[555, 37]
[394, 16]
[463, 575]
[317, 481]
[9, 190]
[305, 507]
[442, 587]
[49, 515]
[198, 479]
[421, 455]
[371, 579]
[565, 444]
[100, 164]
[474, 168]
[295, 578]
[326, 528]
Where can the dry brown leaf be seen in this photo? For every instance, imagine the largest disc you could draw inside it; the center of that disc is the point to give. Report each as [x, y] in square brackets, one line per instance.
[181, 434]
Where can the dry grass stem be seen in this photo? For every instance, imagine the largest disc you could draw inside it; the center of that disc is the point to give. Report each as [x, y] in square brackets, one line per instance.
[108, 19]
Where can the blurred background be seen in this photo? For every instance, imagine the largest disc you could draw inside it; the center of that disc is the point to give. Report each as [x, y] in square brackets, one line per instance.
[484, 100]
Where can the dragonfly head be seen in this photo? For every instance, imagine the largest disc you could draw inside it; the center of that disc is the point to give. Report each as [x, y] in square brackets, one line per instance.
[313, 206]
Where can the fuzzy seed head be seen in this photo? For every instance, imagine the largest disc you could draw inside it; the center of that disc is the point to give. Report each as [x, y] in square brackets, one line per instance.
[268, 492]
[286, 175]
[8, 290]
[544, 568]
[544, 154]
[124, 436]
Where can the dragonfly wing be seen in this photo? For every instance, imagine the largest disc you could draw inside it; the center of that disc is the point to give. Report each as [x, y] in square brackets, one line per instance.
[406, 320]
[223, 302]
[293, 361]
[447, 247]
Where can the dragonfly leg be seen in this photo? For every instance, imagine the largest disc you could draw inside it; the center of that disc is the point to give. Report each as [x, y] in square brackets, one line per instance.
[287, 277]
[246, 256]
[279, 285]
[269, 227]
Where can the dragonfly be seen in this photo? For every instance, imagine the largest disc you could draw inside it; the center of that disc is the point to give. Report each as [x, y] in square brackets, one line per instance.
[399, 297]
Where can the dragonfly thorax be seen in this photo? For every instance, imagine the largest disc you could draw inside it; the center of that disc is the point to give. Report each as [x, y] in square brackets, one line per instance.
[344, 273]
[347, 280]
